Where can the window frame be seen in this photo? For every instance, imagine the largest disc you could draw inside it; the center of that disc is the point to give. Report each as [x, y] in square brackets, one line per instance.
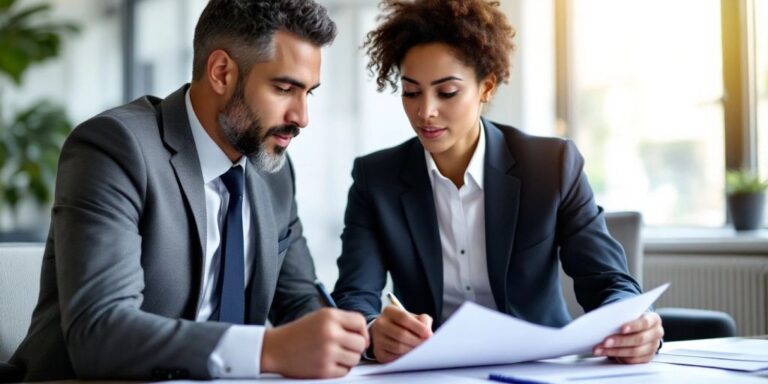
[739, 94]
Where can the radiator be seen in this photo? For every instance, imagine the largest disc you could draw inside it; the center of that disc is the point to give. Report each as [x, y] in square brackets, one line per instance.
[734, 284]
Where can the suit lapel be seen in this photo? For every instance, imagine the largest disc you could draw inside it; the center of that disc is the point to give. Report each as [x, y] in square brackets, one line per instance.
[502, 195]
[419, 207]
[261, 287]
[177, 135]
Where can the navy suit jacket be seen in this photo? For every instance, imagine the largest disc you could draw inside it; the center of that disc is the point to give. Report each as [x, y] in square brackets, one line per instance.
[539, 209]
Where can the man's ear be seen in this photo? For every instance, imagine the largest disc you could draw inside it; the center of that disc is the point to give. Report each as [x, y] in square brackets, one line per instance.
[221, 72]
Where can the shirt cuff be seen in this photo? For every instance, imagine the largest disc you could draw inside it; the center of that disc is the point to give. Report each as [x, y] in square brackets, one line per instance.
[238, 354]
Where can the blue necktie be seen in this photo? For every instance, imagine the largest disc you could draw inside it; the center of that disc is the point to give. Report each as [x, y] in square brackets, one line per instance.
[232, 270]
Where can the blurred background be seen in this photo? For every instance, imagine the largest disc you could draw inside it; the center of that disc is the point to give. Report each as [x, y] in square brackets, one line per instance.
[661, 96]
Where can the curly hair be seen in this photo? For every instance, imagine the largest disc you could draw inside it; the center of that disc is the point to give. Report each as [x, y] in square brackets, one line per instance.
[245, 28]
[477, 30]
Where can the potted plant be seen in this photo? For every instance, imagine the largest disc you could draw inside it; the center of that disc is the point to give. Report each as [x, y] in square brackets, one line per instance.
[30, 140]
[746, 199]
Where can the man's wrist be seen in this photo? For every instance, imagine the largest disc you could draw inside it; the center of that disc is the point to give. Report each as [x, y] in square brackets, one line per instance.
[234, 356]
[267, 362]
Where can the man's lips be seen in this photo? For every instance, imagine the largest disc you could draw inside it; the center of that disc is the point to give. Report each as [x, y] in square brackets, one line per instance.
[283, 140]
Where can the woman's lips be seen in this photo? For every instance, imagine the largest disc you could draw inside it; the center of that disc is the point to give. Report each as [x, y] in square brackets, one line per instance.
[430, 132]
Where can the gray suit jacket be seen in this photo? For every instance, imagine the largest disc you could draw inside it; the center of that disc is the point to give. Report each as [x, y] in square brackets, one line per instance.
[123, 263]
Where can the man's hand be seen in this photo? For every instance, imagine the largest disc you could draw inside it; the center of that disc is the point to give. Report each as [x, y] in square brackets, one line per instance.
[326, 343]
[396, 332]
[636, 342]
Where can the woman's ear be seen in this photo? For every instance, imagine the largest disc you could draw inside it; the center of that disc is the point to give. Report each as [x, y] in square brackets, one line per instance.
[487, 88]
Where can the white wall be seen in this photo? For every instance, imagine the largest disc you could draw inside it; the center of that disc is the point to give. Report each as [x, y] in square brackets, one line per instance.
[348, 118]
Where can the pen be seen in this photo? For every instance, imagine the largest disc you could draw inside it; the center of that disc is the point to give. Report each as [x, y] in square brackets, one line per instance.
[324, 293]
[395, 301]
[512, 379]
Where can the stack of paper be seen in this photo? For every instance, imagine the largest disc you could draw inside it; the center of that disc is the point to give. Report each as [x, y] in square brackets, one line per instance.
[736, 354]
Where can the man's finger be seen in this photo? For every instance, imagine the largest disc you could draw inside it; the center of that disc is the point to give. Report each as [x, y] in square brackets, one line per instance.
[352, 322]
[347, 358]
[353, 342]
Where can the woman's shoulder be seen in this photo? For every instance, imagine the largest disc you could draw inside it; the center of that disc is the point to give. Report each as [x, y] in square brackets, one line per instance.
[518, 140]
[392, 155]
[532, 149]
[515, 135]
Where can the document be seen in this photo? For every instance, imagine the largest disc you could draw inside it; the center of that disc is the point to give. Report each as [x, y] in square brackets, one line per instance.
[605, 371]
[736, 354]
[475, 335]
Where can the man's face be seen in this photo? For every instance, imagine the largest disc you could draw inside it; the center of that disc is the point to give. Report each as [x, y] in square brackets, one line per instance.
[269, 105]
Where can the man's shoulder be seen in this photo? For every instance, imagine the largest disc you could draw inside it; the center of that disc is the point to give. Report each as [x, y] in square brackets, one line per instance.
[138, 113]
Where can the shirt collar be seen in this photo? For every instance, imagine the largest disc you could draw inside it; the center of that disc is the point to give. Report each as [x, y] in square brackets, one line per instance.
[475, 167]
[213, 161]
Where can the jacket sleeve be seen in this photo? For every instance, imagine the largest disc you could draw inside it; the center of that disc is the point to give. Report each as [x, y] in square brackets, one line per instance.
[362, 273]
[588, 253]
[100, 197]
[295, 294]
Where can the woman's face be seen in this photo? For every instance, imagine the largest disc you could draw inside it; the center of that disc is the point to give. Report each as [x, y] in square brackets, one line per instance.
[443, 98]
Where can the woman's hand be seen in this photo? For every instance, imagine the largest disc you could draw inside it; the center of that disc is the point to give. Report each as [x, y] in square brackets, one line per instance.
[396, 332]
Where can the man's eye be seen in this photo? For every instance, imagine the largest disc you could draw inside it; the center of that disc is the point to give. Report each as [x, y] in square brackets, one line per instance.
[283, 90]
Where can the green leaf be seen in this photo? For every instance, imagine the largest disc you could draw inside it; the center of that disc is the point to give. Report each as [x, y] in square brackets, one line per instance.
[744, 182]
[21, 16]
[32, 143]
[6, 5]
[24, 42]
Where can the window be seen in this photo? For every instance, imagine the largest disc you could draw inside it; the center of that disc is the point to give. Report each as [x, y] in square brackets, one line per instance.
[761, 86]
[761, 82]
[645, 86]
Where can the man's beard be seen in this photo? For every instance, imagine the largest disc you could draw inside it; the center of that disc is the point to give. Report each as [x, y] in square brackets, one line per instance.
[242, 128]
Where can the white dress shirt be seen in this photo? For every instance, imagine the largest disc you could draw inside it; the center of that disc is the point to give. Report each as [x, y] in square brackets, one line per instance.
[461, 220]
[238, 354]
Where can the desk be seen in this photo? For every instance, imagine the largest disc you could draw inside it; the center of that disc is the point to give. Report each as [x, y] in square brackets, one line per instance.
[670, 373]
[673, 373]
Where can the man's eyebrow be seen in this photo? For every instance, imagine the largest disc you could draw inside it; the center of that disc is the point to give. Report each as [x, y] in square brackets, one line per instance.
[435, 82]
[294, 82]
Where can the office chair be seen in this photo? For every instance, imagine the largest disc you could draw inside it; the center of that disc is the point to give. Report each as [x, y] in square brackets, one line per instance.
[679, 323]
[20, 266]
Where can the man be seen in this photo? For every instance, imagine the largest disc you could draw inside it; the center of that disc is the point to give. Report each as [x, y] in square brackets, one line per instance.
[175, 222]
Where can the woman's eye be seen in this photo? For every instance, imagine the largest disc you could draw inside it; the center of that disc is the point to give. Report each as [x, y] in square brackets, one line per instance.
[447, 95]
[410, 94]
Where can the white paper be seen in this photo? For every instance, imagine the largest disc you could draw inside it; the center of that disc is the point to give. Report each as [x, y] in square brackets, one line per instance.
[728, 353]
[736, 365]
[726, 349]
[475, 335]
[397, 378]
[615, 373]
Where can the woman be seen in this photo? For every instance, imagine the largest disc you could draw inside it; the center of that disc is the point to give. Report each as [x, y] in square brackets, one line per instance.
[471, 210]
